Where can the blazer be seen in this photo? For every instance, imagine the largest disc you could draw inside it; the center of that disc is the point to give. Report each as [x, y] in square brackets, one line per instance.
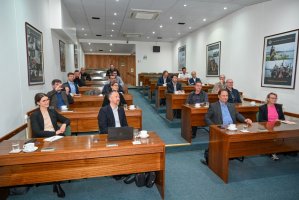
[66, 84]
[233, 96]
[107, 89]
[197, 98]
[161, 81]
[263, 112]
[68, 99]
[37, 123]
[121, 102]
[192, 82]
[106, 118]
[170, 88]
[214, 114]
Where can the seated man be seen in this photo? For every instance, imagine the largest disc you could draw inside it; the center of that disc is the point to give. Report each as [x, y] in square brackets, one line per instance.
[111, 115]
[107, 87]
[233, 94]
[193, 79]
[84, 74]
[111, 69]
[219, 85]
[184, 74]
[71, 84]
[174, 85]
[222, 113]
[60, 95]
[78, 79]
[164, 79]
[197, 96]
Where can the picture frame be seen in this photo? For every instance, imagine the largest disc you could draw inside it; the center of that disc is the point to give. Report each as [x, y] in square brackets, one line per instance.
[35, 59]
[280, 60]
[76, 56]
[213, 55]
[62, 55]
[181, 57]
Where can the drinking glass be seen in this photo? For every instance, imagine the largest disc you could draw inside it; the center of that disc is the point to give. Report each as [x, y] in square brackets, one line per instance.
[207, 104]
[15, 146]
[136, 134]
[245, 127]
[125, 106]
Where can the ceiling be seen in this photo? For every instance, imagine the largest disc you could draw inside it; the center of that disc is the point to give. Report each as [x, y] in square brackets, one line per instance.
[115, 20]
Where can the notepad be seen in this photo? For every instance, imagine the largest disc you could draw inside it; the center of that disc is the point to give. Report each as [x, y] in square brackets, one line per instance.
[287, 122]
[53, 138]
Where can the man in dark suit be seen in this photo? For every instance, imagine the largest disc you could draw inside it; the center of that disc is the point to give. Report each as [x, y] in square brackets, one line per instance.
[164, 79]
[193, 79]
[233, 94]
[60, 95]
[174, 85]
[112, 115]
[223, 113]
[71, 84]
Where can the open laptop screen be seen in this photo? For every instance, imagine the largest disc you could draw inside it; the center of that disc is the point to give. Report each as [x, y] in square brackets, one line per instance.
[120, 133]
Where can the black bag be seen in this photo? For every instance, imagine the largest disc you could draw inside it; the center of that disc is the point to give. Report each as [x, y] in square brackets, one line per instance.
[18, 190]
[142, 179]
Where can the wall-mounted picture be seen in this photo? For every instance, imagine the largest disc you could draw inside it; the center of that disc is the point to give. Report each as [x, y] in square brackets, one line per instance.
[62, 55]
[181, 57]
[35, 61]
[280, 60]
[75, 56]
[213, 59]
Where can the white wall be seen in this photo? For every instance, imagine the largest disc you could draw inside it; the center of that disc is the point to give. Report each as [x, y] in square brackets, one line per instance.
[242, 37]
[16, 95]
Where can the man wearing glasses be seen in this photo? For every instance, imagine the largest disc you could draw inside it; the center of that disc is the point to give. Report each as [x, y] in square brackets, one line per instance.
[233, 94]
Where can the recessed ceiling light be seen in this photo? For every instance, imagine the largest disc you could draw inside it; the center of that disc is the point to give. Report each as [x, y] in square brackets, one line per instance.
[82, 29]
[147, 37]
[112, 30]
[85, 34]
[110, 44]
[185, 5]
[204, 19]
[110, 50]
[161, 26]
[154, 32]
[117, 0]
[179, 33]
[225, 8]
[113, 23]
[89, 43]
[190, 27]
[111, 35]
[90, 49]
[114, 14]
[170, 17]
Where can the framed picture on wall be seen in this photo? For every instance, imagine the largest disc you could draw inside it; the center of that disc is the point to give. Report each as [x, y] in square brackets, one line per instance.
[213, 59]
[62, 55]
[280, 60]
[181, 57]
[35, 59]
[75, 56]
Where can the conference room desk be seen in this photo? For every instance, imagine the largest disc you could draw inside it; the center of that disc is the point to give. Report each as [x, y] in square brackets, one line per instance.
[263, 138]
[86, 119]
[94, 101]
[79, 157]
[192, 116]
[176, 101]
[96, 83]
[162, 90]
[84, 89]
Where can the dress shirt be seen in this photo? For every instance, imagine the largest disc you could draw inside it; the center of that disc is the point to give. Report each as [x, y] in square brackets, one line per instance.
[116, 117]
[72, 87]
[194, 98]
[186, 75]
[226, 118]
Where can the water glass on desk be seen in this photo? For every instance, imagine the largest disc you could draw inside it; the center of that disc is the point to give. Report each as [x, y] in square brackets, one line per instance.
[15, 146]
[135, 134]
[125, 106]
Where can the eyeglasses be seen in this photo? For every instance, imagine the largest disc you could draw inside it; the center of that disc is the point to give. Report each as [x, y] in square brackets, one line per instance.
[45, 100]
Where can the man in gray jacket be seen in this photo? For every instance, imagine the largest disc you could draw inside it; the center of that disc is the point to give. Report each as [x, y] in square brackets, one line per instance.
[60, 95]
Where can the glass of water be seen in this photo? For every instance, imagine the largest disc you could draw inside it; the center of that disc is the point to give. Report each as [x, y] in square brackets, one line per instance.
[125, 106]
[136, 134]
[15, 146]
[245, 127]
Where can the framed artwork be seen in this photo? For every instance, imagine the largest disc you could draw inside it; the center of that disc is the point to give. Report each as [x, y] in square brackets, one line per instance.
[213, 59]
[35, 59]
[181, 57]
[280, 60]
[75, 56]
[62, 55]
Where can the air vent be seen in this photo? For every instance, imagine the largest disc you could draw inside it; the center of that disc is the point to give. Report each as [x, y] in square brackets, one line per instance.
[145, 14]
[132, 35]
[101, 50]
[181, 23]
[97, 18]
[99, 35]
[159, 38]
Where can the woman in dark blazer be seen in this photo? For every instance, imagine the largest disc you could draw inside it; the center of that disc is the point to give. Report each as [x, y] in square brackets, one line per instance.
[115, 87]
[44, 124]
[271, 112]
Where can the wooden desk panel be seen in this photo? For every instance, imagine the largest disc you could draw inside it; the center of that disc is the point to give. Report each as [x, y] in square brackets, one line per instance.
[192, 116]
[86, 119]
[84, 89]
[264, 138]
[176, 101]
[82, 157]
[94, 101]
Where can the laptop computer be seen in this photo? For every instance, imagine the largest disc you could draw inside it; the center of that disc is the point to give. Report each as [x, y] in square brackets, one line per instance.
[120, 133]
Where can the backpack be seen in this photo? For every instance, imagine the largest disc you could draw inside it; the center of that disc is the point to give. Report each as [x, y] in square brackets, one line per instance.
[142, 179]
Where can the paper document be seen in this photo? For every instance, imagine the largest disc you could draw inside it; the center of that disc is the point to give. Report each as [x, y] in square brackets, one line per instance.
[53, 138]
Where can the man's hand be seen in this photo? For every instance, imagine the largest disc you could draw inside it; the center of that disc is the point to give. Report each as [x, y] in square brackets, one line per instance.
[248, 121]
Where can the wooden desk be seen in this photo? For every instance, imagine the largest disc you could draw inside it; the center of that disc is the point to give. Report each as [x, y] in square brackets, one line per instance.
[192, 116]
[84, 89]
[82, 157]
[176, 101]
[96, 83]
[86, 119]
[161, 92]
[262, 139]
[94, 101]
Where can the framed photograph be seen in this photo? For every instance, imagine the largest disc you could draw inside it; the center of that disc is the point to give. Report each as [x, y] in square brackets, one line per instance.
[280, 60]
[62, 55]
[75, 56]
[181, 57]
[213, 59]
[35, 59]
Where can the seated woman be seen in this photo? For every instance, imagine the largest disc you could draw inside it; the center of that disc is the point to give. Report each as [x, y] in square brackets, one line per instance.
[114, 87]
[44, 124]
[271, 112]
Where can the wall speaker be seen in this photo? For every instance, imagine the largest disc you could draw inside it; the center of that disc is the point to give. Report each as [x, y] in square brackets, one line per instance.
[156, 48]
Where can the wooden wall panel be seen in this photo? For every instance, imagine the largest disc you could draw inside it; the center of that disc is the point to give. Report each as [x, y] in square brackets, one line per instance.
[125, 64]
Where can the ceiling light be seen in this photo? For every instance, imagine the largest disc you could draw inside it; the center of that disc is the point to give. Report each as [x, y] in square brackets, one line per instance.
[179, 33]
[161, 26]
[82, 29]
[225, 8]
[114, 14]
[110, 50]
[154, 32]
[117, 0]
[132, 35]
[112, 30]
[185, 5]
[204, 19]
[111, 35]
[190, 27]
[85, 34]
[113, 23]
[89, 43]
[110, 44]
[145, 14]
[147, 37]
[90, 49]
[170, 17]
